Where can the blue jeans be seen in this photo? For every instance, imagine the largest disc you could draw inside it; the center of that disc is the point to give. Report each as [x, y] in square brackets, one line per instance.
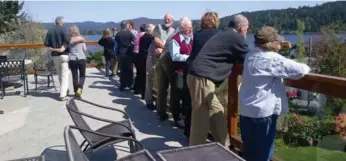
[107, 67]
[258, 135]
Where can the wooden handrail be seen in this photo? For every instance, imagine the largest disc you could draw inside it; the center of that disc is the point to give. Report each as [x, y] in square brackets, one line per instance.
[312, 82]
[33, 45]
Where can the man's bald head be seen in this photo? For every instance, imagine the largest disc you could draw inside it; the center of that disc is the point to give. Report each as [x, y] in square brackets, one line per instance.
[238, 20]
[169, 19]
[240, 23]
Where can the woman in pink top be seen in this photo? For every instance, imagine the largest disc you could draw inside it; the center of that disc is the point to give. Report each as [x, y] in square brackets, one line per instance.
[137, 60]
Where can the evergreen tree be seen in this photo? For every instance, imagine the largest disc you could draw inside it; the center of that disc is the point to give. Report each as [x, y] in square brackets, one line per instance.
[300, 49]
[285, 19]
[331, 52]
[11, 15]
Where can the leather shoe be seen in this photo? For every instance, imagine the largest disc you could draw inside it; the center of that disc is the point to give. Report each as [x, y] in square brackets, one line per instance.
[179, 124]
[164, 117]
[151, 107]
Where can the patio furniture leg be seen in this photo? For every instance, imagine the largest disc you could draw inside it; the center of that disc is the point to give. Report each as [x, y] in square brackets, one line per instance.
[35, 82]
[24, 85]
[132, 147]
[48, 79]
[81, 146]
[3, 90]
[53, 83]
[86, 148]
[27, 85]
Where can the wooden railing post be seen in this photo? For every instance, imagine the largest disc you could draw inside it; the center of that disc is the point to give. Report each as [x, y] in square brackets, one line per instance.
[233, 104]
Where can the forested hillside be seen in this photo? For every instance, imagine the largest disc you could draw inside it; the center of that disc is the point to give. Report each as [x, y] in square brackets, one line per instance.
[285, 20]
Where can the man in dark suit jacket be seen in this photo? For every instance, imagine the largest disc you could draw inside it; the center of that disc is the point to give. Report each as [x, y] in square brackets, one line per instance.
[210, 68]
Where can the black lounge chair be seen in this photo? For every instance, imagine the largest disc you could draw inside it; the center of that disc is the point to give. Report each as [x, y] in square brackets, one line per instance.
[47, 70]
[206, 152]
[121, 128]
[76, 154]
[13, 71]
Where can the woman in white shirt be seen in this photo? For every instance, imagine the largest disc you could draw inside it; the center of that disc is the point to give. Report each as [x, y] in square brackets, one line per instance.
[262, 93]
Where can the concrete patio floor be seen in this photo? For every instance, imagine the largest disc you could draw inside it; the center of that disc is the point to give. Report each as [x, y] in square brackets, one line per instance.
[34, 125]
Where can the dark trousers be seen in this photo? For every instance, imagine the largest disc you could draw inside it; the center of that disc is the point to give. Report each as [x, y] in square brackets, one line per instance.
[126, 70]
[258, 135]
[180, 92]
[107, 67]
[139, 85]
[78, 66]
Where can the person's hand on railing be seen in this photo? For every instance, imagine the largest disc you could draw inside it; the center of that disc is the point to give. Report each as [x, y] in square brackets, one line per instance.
[286, 44]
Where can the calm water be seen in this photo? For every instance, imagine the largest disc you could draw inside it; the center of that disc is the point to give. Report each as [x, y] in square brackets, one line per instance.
[249, 38]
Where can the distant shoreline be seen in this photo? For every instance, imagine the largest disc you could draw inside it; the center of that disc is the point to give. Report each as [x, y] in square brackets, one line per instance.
[282, 33]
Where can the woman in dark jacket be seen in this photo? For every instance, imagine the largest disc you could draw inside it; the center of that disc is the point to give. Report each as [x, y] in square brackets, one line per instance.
[209, 27]
[125, 44]
[138, 61]
[144, 44]
[108, 50]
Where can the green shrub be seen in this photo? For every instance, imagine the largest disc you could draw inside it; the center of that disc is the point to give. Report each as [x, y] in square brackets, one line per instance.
[222, 94]
[96, 58]
[306, 131]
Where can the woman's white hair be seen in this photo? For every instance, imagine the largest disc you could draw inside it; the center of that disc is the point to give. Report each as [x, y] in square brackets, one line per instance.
[149, 28]
[185, 21]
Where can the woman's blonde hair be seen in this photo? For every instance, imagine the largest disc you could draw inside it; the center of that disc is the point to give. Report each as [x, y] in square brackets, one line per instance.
[210, 20]
[74, 31]
[268, 39]
[106, 32]
[273, 46]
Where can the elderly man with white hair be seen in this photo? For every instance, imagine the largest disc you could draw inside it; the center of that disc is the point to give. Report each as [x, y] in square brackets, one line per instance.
[161, 33]
[180, 48]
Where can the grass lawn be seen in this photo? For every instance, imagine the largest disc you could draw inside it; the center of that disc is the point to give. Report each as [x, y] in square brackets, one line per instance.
[328, 150]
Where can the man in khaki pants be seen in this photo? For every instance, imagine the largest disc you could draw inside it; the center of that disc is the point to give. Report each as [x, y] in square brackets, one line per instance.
[211, 66]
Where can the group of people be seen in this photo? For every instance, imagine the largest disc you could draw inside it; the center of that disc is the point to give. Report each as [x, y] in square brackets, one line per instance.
[194, 64]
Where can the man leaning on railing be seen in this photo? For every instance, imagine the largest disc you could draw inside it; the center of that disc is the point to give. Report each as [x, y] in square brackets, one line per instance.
[208, 69]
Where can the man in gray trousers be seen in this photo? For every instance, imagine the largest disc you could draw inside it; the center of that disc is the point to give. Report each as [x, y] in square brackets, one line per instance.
[163, 32]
